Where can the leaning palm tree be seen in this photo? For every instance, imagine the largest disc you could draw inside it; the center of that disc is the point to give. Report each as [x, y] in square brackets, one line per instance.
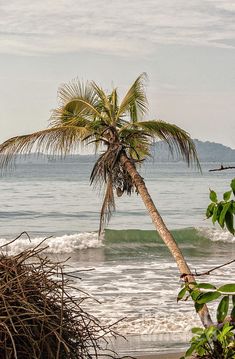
[87, 114]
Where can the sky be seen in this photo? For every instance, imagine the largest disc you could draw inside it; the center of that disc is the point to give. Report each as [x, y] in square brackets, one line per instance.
[187, 48]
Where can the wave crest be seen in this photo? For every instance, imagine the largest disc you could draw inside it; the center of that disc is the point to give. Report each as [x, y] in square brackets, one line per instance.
[216, 234]
[61, 244]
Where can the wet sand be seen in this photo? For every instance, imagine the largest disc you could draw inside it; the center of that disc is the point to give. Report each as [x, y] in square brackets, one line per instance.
[162, 356]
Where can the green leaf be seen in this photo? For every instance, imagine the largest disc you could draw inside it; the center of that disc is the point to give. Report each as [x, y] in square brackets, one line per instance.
[205, 286]
[190, 350]
[197, 330]
[227, 288]
[208, 297]
[232, 185]
[211, 331]
[229, 222]
[213, 196]
[194, 294]
[226, 207]
[233, 299]
[182, 293]
[210, 209]
[198, 307]
[232, 206]
[226, 328]
[227, 195]
[222, 309]
[201, 351]
[215, 217]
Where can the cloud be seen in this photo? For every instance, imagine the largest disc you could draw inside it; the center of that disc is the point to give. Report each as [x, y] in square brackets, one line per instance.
[47, 26]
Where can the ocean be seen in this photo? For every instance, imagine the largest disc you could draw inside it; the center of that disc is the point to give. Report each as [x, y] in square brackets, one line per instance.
[131, 274]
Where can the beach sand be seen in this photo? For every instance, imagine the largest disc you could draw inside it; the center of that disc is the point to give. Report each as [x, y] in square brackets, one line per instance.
[160, 346]
[162, 356]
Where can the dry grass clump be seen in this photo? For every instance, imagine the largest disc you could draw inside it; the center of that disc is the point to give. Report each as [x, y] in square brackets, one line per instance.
[39, 319]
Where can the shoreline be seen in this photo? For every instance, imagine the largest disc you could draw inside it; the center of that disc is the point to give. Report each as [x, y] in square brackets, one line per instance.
[161, 356]
[161, 346]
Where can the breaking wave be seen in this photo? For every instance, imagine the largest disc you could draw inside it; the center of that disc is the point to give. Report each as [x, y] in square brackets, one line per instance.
[69, 243]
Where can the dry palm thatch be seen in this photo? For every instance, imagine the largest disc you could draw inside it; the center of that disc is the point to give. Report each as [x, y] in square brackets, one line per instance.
[39, 319]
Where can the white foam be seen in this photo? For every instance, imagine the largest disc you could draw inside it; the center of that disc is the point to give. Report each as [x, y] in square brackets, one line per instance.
[156, 324]
[216, 234]
[62, 244]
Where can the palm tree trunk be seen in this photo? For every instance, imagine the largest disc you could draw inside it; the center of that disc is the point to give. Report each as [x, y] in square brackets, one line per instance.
[163, 231]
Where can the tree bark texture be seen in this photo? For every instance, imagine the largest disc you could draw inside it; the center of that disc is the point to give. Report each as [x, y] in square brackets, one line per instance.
[163, 231]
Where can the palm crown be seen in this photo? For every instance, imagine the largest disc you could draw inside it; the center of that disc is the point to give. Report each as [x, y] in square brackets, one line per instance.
[87, 114]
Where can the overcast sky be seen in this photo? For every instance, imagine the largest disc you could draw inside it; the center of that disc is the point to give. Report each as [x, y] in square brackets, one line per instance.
[186, 47]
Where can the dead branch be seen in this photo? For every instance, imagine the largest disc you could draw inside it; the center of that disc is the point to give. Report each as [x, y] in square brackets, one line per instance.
[207, 272]
[222, 168]
[15, 239]
[39, 318]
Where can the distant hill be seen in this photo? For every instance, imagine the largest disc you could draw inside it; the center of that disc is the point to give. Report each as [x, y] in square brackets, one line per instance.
[207, 152]
[38, 158]
[214, 152]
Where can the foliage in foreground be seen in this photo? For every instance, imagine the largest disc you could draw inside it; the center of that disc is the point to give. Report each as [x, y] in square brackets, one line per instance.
[223, 211]
[39, 318]
[217, 341]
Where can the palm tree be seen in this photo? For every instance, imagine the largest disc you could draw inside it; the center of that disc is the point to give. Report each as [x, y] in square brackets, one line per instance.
[87, 114]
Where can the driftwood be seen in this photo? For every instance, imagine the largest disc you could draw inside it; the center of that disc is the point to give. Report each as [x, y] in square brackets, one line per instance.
[222, 168]
[39, 318]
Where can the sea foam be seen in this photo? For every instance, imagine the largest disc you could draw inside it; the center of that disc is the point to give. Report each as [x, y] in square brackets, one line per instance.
[216, 234]
[60, 244]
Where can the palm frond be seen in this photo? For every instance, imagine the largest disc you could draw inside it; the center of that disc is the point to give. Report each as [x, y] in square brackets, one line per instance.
[114, 100]
[54, 141]
[105, 105]
[77, 101]
[76, 89]
[76, 109]
[105, 165]
[138, 150]
[134, 103]
[68, 117]
[176, 138]
[107, 172]
[136, 141]
[101, 176]
[108, 205]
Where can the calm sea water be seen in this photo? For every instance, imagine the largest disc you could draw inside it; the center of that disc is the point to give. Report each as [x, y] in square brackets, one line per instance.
[133, 276]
